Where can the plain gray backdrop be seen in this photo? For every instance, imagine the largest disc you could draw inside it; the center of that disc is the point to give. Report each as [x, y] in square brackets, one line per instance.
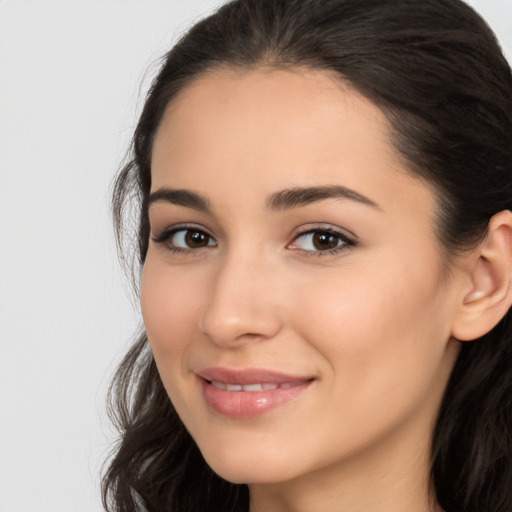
[72, 79]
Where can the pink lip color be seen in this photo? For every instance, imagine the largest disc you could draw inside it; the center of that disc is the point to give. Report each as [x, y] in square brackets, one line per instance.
[245, 404]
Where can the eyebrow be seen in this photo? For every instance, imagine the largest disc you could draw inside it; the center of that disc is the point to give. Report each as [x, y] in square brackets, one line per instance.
[181, 197]
[282, 200]
[302, 196]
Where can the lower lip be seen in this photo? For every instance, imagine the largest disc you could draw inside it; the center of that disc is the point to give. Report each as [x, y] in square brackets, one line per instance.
[245, 404]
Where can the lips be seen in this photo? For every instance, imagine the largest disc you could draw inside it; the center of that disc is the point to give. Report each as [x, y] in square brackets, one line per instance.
[249, 392]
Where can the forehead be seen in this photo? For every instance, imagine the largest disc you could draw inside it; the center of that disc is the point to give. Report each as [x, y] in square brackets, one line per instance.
[262, 130]
[270, 107]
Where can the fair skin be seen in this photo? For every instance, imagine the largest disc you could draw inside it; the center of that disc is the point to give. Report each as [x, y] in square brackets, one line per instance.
[349, 292]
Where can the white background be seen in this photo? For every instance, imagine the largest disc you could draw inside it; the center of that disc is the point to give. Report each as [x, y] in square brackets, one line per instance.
[72, 77]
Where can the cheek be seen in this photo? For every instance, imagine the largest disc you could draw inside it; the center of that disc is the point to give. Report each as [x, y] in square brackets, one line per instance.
[169, 302]
[383, 332]
[354, 312]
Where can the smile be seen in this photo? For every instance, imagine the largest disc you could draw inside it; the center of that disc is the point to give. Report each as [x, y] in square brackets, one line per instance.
[246, 393]
[268, 386]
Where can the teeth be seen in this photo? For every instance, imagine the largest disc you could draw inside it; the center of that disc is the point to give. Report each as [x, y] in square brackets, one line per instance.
[253, 387]
[250, 387]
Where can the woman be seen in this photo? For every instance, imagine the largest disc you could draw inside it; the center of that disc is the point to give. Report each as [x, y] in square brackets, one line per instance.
[324, 197]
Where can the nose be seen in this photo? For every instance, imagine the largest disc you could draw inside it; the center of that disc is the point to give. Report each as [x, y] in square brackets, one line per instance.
[242, 306]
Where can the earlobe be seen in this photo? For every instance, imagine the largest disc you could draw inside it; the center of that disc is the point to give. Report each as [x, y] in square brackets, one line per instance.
[490, 282]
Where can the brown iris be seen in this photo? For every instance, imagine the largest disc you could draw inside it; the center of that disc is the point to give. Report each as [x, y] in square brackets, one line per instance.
[196, 239]
[324, 241]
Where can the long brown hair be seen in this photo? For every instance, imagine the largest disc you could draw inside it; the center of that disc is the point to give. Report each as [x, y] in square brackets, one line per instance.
[436, 70]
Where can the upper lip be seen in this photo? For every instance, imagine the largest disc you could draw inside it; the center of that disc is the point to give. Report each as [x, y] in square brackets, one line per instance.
[245, 376]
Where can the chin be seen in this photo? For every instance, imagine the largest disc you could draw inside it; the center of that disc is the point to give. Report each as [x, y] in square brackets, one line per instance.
[244, 468]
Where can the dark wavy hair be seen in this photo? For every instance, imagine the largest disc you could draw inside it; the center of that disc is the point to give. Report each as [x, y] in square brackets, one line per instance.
[436, 70]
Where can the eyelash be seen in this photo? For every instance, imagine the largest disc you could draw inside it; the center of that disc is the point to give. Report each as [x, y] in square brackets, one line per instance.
[344, 242]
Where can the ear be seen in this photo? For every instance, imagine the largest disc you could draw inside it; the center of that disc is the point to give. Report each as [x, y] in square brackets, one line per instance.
[488, 294]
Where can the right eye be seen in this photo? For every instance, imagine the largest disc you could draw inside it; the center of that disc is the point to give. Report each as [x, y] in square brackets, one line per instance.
[185, 239]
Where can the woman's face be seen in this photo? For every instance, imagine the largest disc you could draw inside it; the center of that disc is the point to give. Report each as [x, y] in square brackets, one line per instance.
[294, 292]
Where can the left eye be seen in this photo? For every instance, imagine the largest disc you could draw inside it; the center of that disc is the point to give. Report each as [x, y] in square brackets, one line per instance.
[320, 241]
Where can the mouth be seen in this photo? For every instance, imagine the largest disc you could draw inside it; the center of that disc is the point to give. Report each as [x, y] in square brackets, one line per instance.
[251, 388]
[250, 392]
